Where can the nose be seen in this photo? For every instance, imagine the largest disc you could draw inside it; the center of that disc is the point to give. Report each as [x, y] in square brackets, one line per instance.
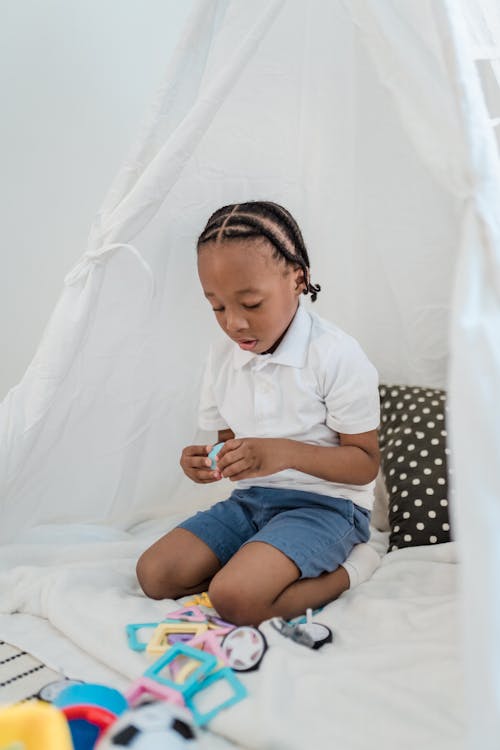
[235, 322]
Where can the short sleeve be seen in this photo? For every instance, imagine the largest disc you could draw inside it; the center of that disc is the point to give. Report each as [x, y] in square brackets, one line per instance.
[351, 390]
[209, 417]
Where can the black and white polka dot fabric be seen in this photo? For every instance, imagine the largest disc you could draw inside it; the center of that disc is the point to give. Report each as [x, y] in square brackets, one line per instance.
[413, 447]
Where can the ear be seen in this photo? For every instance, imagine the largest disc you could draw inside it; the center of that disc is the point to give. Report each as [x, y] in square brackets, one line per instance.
[300, 279]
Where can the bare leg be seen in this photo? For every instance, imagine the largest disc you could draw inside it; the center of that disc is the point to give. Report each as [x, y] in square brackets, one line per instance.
[260, 582]
[176, 565]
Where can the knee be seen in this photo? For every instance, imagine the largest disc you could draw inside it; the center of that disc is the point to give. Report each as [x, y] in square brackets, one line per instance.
[233, 604]
[151, 581]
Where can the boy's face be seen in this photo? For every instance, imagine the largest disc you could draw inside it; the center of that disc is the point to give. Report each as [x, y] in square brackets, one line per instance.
[254, 295]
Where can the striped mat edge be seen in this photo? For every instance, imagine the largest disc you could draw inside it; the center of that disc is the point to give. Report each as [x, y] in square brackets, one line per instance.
[21, 675]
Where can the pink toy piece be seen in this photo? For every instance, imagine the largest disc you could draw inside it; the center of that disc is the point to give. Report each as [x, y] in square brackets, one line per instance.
[145, 686]
[187, 614]
[210, 642]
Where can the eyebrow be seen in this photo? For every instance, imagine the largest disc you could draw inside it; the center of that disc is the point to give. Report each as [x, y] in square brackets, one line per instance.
[248, 290]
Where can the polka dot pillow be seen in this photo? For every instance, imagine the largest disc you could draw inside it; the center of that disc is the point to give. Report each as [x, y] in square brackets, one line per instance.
[413, 449]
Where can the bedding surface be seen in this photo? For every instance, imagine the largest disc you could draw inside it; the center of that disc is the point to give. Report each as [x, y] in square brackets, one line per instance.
[391, 679]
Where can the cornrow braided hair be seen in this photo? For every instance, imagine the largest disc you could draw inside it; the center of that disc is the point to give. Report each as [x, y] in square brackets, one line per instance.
[262, 219]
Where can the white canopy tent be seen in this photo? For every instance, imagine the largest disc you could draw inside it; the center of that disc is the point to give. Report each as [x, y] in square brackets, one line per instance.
[366, 119]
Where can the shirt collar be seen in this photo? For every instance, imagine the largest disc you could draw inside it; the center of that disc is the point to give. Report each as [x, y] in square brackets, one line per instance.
[292, 350]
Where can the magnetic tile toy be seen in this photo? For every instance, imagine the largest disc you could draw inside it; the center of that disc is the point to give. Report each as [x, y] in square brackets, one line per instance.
[145, 686]
[159, 640]
[239, 692]
[206, 663]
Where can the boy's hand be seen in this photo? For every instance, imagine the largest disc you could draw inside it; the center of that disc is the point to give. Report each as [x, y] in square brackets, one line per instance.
[196, 464]
[244, 458]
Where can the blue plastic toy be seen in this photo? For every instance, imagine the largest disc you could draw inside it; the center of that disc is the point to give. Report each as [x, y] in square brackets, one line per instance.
[238, 689]
[215, 450]
[132, 631]
[206, 662]
[92, 695]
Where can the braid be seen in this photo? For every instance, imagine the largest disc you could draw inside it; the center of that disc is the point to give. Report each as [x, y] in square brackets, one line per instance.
[262, 219]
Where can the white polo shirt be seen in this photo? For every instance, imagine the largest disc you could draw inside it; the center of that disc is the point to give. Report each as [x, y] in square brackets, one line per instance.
[317, 384]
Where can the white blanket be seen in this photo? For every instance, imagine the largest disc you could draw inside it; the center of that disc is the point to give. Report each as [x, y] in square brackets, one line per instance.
[391, 679]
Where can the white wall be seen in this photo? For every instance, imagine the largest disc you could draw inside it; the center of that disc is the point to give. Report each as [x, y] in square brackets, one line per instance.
[76, 78]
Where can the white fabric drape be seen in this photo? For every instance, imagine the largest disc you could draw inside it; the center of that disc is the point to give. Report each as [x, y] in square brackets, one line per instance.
[94, 430]
[466, 162]
[389, 164]
[474, 385]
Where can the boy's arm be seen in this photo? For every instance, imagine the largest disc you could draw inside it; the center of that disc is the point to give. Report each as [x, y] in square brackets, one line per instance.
[355, 461]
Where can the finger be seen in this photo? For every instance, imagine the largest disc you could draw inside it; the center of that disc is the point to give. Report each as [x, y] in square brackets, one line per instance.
[189, 463]
[198, 462]
[206, 476]
[236, 468]
[228, 446]
[230, 457]
[195, 450]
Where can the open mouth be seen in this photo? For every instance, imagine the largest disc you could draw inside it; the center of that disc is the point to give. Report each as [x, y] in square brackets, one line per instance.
[247, 344]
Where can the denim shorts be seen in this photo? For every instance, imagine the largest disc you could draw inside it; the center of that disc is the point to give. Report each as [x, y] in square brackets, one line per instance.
[317, 532]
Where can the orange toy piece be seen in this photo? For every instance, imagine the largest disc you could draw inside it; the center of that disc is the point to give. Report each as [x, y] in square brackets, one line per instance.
[34, 726]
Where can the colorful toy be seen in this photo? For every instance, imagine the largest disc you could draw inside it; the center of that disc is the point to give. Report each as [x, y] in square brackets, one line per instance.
[92, 694]
[89, 709]
[179, 638]
[192, 659]
[132, 631]
[159, 641]
[144, 688]
[200, 600]
[213, 453]
[34, 725]
[244, 648]
[211, 642]
[149, 727]
[239, 692]
[49, 692]
[205, 663]
[310, 634]
[215, 623]
[186, 614]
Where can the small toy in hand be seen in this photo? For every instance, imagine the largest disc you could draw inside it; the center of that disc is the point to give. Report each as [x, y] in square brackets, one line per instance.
[215, 450]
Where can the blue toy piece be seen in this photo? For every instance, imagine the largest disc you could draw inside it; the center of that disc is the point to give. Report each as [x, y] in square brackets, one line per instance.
[89, 710]
[206, 661]
[132, 631]
[92, 695]
[239, 692]
[215, 450]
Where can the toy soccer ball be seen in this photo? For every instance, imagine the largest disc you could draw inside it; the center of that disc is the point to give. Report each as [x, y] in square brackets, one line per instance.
[149, 726]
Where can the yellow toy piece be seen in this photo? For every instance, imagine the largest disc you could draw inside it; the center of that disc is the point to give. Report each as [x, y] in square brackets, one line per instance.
[159, 640]
[202, 599]
[34, 726]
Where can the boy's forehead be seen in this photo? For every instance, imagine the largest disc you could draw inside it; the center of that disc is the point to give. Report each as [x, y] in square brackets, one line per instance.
[250, 258]
[234, 245]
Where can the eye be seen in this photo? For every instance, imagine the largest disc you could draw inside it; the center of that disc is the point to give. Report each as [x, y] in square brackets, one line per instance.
[218, 309]
[252, 307]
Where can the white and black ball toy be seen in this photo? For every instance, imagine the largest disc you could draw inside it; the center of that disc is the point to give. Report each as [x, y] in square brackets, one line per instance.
[150, 726]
